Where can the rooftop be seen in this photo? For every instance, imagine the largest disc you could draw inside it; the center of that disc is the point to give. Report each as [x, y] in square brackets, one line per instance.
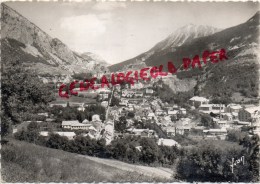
[72, 123]
[253, 109]
[198, 98]
[168, 142]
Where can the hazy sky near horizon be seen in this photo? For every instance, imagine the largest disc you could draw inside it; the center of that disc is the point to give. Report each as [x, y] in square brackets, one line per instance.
[117, 31]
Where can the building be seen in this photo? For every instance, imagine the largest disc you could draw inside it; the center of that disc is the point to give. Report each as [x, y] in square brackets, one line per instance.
[81, 108]
[173, 112]
[141, 132]
[117, 87]
[104, 104]
[225, 123]
[85, 121]
[205, 108]
[146, 107]
[76, 104]
[182, 130]
[197, 101]
[139, 94]
[58, 103]
[218, 108]
[212, 108]
[96, 117]
[103, 96]
[108, 134]
[103, 90]
[170, 131]
[97, 125]
[137, 85]
[256, 125]
[159, 112]
[168, 142]
[92, 132]
[233, 108]
[215, 133]
[74, 125]
[123, 102]
[227, 116]
[128, 93]
[43, 114]
[149, 91]
[246, 114]
[151, 115]
[167, 106]
[183, 111]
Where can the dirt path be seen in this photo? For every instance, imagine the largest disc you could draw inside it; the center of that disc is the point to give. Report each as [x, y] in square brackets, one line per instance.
[148, 171]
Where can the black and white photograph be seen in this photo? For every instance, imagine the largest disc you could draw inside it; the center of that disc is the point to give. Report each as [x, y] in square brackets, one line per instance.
[130, 92]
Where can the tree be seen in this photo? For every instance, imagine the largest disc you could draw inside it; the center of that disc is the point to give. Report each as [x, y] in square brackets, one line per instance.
[22, 92]
[132, 154]
[82, 76]
[120, 125]
[207, 121]
[33, 126]
[221, 100]
[150, 151]
[210, 162]
[252, 149]
[236, 136]
[131, 115]
[118, 149]
[57, 142]
[114, 101]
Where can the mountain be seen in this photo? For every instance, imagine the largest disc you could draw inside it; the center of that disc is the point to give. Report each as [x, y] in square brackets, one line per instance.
[24, 40]
[236, 78]
[180, 37]
[97, 61]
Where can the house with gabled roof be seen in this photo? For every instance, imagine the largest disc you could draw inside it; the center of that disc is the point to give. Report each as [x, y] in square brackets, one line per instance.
[197, 101]
[246, 114]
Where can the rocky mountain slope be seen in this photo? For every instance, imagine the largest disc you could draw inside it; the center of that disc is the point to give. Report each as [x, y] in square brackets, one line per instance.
[38, 50]
[178, 38]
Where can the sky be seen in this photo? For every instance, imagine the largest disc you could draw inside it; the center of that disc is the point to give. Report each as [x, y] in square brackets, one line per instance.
[117, 31]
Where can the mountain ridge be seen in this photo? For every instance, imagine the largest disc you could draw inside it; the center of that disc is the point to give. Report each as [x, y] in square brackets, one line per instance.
[175, 39]
[238, 76]
[165, 56]
[40, 48]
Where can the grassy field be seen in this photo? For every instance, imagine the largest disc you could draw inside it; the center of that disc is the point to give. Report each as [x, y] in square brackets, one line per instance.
[25, 162]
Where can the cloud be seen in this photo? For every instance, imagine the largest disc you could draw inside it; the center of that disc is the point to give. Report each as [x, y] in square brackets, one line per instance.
[83, 31]
[84, 25]
[108, 6]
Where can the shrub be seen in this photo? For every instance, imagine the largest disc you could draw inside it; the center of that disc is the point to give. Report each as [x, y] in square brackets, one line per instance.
[210, 162]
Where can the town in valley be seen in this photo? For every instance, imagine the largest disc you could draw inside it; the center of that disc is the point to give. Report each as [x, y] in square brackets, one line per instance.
[128, 108]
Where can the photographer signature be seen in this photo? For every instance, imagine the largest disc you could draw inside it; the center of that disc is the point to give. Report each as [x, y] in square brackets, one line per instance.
[236, 162]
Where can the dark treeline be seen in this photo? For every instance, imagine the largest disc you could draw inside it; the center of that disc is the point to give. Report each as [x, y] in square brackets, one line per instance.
[71, 113]
[129, 149]
[207, 161]
[23, 93]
